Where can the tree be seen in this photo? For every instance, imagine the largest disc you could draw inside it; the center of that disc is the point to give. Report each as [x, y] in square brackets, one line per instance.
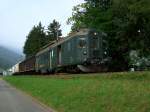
[54, 30]
[126, 23]
[91, 14]
[78, 17]
[129, 30]
[35, 40]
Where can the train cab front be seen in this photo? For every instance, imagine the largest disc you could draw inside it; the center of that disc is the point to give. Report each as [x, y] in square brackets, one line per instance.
[95, 48]
[93, 53]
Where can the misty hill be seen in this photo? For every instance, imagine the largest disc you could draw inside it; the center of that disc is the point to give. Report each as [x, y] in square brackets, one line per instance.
[8, 57]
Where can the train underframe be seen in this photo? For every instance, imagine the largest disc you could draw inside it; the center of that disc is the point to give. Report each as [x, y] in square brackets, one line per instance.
[94, 65]
[89, 66]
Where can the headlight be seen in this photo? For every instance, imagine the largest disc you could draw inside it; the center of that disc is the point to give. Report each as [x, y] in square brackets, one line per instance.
[95, 33]
[85, 53]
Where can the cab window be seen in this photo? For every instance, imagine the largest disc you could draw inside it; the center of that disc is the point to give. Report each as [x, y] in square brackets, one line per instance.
[82, 43]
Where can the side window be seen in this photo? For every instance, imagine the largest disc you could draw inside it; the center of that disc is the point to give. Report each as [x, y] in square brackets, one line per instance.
[82, 43]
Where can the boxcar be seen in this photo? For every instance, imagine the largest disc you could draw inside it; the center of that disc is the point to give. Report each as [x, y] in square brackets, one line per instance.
[27, 65]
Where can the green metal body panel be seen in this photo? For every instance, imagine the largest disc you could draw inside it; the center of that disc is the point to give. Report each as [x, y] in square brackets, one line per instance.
[72, 54]
[42, 62]
[54, 58]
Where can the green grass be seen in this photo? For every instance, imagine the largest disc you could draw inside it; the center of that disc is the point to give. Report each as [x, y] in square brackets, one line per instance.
[115, 92]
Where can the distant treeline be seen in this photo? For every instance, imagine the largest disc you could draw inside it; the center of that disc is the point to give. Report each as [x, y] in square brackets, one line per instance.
[39, 37]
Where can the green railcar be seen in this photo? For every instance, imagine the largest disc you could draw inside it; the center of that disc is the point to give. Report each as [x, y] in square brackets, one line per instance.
[82, 49]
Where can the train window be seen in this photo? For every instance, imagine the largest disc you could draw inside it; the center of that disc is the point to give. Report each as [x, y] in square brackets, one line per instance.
[82, 43]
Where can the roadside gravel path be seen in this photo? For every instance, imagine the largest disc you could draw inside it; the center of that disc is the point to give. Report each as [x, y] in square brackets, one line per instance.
[13, 100]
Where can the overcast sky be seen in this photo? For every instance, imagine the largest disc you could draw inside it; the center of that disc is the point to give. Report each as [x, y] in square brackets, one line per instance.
[17, 17]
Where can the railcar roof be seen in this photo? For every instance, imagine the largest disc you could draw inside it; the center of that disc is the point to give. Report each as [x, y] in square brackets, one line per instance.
[56, 43]
[28, 58]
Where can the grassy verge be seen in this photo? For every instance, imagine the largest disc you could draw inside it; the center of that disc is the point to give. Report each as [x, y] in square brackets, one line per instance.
[117, 92]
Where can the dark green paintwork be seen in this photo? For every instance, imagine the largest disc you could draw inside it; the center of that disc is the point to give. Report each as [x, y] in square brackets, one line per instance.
[72, 51]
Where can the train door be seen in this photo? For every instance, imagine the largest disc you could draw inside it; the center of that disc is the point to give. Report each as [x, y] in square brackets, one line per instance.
[59, 55]
[51, 55]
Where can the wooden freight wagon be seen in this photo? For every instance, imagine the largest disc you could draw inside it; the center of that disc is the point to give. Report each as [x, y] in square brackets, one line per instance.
[27, 65]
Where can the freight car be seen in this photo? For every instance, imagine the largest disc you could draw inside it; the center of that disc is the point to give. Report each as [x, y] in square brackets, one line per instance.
[82, 51]
[28, 65]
